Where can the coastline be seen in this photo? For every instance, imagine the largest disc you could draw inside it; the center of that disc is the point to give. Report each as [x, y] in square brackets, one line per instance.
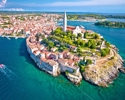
[29, 82]
[40, 80]
[106, 74]
[100, 75]
[53, 66]
[96, 20]
[16, 37]
[110, 26]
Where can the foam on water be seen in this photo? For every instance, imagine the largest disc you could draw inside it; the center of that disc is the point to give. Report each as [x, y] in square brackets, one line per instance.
[8, 73]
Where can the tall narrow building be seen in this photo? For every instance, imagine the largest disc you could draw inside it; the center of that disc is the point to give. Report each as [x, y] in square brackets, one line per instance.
[65, 22]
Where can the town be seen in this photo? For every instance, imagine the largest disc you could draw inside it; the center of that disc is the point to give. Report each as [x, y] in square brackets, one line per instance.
[76, 52]
[23, 24]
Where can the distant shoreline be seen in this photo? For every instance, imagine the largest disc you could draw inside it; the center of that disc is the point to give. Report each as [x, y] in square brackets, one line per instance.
[16, 37]
[96, 20]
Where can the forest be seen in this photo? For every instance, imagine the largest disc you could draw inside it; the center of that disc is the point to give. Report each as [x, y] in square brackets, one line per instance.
[111, 24]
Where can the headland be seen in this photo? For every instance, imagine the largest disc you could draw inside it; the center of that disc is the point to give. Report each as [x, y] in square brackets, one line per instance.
[79, 53]
[74, 51]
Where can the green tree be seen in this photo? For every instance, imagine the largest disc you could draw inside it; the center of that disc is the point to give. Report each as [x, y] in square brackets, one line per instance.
[85, 34]
[88, 44]
[107, 50]
[96, 36]
[73, 36]
[107, 44]
[88, 61]
[79, 50]
[93, 46]
[69, 33]
[103, 53]
[57, 32]
[79, 35]
[82, 43]
[98, 43]
[50, 44]
[82, 68]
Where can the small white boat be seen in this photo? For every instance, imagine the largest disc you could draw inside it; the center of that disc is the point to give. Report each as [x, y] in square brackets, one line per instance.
[82, 26]
[8, 38]
[16, 37]
[2, 65]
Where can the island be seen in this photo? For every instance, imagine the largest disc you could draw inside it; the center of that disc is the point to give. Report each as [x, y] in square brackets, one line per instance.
[111, 24]
[76, 52]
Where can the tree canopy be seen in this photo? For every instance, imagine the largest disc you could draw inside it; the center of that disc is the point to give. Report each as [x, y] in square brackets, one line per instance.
[111, 24]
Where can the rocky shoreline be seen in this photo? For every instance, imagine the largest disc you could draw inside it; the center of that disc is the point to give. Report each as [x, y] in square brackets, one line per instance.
[98, 74]
[54, 70]
[104, 75]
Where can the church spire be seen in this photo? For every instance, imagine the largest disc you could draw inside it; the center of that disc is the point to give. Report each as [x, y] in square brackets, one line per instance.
[64, 22]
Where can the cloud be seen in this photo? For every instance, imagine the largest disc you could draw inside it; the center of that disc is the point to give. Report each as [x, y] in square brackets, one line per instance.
[2, 3]
[78, 3]
[12, 9]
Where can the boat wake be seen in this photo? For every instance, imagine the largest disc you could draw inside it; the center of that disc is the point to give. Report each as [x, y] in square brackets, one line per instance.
[8, 38]
[8, 73]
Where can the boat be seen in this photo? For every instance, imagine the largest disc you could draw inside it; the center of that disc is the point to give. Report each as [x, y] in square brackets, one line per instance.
[8, 38]
[16, 37]
[2, 65]
[82, 26]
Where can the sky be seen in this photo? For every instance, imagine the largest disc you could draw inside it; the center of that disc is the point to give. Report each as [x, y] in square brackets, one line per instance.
[100, 6]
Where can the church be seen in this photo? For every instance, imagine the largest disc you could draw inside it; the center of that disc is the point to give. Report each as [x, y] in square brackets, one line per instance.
[73, 29]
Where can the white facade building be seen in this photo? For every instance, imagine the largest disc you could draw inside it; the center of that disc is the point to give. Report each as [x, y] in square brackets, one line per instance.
[77, 30]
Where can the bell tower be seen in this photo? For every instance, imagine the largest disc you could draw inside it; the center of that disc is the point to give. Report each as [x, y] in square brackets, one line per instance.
[65, 22]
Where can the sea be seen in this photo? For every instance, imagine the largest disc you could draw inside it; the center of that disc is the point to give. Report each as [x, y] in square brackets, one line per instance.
[22, 80]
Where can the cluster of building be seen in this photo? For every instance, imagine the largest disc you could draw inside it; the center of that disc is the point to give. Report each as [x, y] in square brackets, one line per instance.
[48, 60]
[63, 61]
[51, 61]
[27, 24]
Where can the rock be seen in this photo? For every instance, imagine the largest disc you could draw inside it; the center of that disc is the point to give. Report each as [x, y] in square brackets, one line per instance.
[75, 77]
[105, 74]
[122, 70]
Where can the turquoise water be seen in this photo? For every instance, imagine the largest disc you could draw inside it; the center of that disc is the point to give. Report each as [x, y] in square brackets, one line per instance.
[23, 81]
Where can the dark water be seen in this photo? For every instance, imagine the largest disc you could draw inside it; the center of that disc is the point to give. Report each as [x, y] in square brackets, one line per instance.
[21, 80]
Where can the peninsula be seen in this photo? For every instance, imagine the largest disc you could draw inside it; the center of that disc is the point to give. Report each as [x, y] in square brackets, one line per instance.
[76, 52]
[79, 53]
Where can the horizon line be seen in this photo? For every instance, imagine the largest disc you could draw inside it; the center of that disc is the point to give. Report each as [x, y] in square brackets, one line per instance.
[60, 11]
